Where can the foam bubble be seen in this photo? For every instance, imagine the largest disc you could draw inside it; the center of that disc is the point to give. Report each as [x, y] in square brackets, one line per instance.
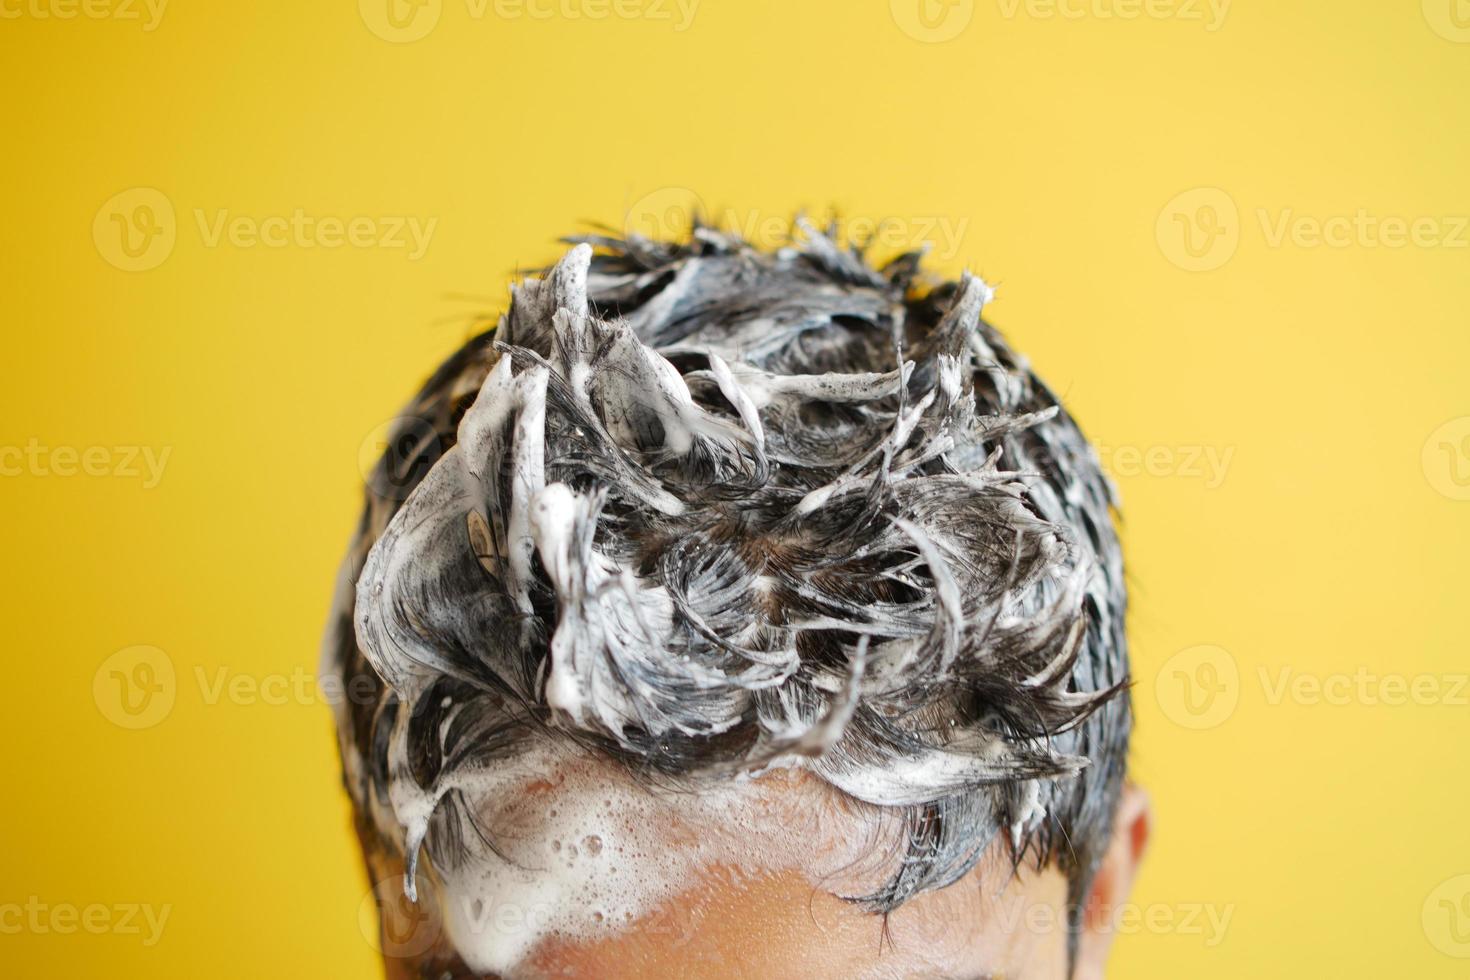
[610, 851]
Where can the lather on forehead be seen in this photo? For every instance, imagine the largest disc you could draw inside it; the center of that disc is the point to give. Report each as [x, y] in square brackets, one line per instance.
[714, 511]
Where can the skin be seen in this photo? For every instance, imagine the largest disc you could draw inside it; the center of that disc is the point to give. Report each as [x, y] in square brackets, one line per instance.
[743, 923]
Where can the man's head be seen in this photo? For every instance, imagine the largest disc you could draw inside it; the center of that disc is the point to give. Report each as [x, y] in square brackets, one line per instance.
[769, 591]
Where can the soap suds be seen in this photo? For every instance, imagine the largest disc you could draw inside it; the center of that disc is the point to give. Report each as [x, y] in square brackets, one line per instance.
[582, 851]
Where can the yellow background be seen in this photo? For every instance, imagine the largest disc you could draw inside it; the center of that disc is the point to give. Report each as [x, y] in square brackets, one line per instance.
[1333, 543]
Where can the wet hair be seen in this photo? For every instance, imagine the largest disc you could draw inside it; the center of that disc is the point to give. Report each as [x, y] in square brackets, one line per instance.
[709, 509]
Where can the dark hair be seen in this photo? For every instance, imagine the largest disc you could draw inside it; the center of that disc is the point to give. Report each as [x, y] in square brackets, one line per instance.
[708, 509]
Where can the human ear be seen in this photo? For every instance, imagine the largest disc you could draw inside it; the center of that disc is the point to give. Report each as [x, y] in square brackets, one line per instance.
[1132, 825]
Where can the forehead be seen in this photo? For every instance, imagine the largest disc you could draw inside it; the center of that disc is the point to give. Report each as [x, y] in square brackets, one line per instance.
[597, 875]
[569, 849]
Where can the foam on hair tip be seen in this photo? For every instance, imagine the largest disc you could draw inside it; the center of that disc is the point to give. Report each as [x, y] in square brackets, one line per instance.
[712, 512]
